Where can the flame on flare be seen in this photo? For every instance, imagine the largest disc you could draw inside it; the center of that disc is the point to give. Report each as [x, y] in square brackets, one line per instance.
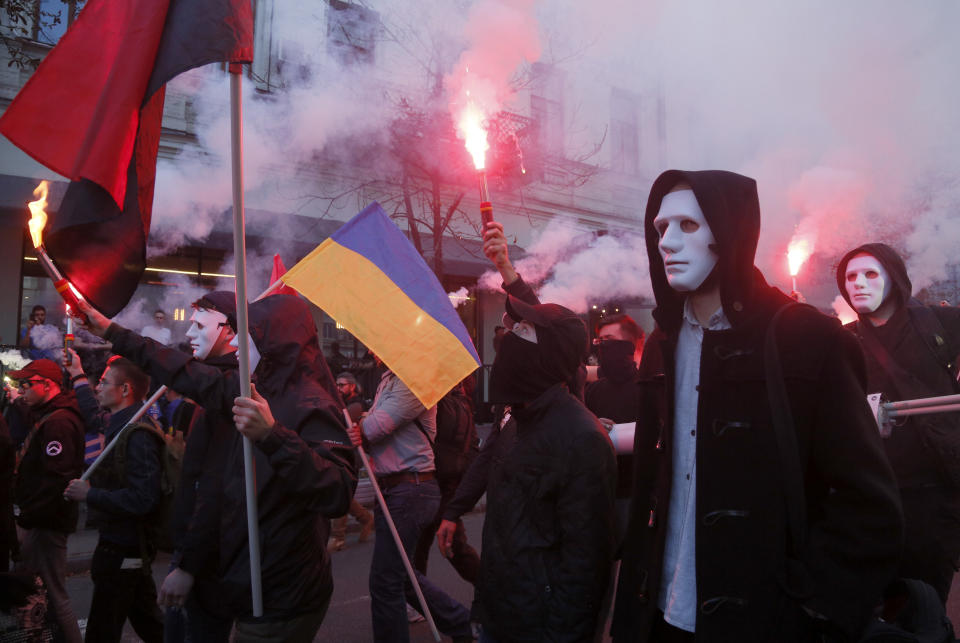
[38, 214]
[474, 135]
[798, 252]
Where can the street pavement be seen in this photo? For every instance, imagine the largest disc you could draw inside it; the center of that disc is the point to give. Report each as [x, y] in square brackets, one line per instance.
[348, 619]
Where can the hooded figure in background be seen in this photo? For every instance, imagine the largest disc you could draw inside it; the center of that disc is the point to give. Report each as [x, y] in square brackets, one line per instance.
[306, 471]
[911, 353]
[548, 537]
[709, 553]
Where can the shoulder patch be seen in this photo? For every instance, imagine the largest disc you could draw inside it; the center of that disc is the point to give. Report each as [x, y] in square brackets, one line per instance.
[54, 448]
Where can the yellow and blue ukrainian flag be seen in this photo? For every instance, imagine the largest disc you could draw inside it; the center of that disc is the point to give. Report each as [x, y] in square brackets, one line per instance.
[374, 283]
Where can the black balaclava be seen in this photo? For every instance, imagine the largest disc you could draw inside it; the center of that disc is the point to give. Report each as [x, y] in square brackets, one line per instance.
[616, 359]
[522, 370]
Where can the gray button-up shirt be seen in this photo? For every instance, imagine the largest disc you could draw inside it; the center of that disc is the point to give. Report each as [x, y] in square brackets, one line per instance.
[396, 442]
[678, 589]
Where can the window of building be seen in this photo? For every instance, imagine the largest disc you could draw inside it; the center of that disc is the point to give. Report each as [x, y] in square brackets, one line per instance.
[546, 108]
[624, 131]
[351, 32]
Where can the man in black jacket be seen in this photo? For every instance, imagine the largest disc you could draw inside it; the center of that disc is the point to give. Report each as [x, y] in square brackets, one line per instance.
[51, 455]
[911, 353]
[305, 465]
[743, 527]
[548, 535]
[124, 493]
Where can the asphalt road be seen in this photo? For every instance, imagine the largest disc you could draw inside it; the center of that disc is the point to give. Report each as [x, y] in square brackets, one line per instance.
[348, 619]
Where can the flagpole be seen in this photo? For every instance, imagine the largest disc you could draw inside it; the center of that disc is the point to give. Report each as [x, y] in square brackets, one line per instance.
[243, 327]
[396, 536]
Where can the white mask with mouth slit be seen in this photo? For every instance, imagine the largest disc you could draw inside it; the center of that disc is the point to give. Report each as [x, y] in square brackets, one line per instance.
[867, 282]
[685, 241]
[205, 331]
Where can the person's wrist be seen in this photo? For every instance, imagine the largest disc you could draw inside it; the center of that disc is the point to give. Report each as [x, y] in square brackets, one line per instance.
[79, 379]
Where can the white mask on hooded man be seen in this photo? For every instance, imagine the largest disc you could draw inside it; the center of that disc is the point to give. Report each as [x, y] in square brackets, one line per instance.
[205, 329]
[867, 282]
[685, 241]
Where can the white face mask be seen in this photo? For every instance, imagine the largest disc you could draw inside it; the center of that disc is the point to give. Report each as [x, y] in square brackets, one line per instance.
[867, 282]
[254, 353]
[685, 241]
[205, 331]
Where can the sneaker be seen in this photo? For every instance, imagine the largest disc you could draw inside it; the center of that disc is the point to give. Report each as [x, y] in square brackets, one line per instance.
[366, 529]
[335, 544]
[413, 616]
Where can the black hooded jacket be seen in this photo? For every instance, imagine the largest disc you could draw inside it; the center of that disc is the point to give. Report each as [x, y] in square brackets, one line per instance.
[748, 588]
[921, 345]
[306, 471]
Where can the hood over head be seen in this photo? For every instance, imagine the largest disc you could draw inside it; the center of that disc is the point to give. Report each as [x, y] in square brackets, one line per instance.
[292, 374]
[732, 209]
[900, 287]
[561, 335]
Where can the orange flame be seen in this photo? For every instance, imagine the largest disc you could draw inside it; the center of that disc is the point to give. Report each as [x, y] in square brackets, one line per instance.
[798, 252]
[474, 135]
[38, 214]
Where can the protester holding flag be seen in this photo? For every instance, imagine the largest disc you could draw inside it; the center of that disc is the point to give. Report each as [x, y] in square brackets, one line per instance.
[304, 461]
[399, 431]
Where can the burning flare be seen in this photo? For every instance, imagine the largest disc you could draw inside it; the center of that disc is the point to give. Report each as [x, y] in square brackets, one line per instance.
[798, 252]
[470, 128]
[38, 214]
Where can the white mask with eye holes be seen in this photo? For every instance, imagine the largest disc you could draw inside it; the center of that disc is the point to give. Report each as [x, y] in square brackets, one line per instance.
[685, 241]
[867, 282]
[254, 353]
[205, 331]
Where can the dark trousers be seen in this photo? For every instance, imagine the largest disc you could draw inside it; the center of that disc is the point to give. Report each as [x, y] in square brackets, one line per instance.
[465, 559]
[44, 552]
[931, 519]
[119, 594]
[413, 507]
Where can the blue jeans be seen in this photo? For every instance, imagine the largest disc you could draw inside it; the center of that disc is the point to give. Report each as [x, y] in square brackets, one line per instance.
[413, 507]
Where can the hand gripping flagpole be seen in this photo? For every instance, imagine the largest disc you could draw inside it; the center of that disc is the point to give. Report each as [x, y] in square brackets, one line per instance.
[396, 536]
[243, 327]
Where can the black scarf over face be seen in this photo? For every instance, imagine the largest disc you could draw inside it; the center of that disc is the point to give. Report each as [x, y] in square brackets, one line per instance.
[616, 359]
[519, 373]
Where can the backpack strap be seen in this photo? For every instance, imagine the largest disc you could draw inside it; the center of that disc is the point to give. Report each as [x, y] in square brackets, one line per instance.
[423, 431]
[785, 434]
[936, 339]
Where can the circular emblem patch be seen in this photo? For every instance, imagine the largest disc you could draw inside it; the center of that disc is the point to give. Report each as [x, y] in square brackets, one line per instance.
[54, 448]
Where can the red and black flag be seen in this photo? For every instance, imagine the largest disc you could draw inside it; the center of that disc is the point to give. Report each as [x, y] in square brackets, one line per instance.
[92, 112]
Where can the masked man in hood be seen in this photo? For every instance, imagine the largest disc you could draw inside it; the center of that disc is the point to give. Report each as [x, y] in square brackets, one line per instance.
[724, 543]
[306, 472]
[548, 537]
[911, 353]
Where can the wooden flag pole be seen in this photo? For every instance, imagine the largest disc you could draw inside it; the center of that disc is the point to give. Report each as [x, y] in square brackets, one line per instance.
[243, 330]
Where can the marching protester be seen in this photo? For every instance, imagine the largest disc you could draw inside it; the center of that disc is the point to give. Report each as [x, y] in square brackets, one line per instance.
[125, 492]
[194, 610]
[613, 397]
[911, 353]
[350, 392]
[548, 536]
[763, 506]
[398, 432]
[304, 461]
[454, 448]
[51, 455]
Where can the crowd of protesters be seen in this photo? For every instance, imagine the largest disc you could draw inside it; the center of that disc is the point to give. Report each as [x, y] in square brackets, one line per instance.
[761, 500]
